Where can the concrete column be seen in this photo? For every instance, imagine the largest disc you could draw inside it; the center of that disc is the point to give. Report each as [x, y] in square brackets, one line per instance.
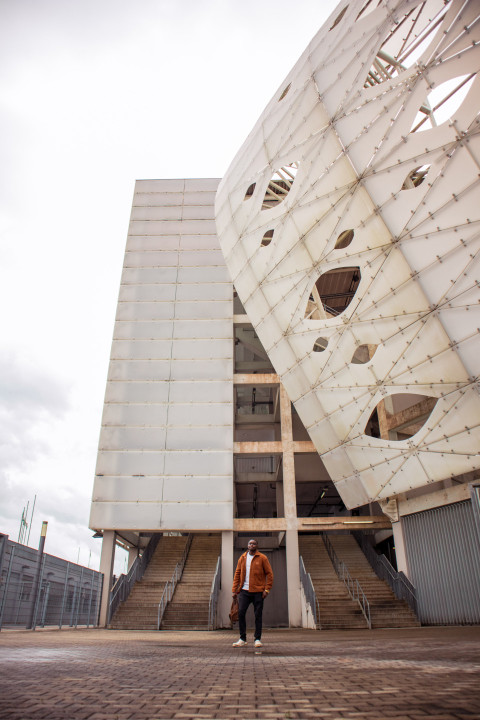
[132, 556]
[290, 508]
[293, 579]
[225, 599]
[399, 541]
[107, 558]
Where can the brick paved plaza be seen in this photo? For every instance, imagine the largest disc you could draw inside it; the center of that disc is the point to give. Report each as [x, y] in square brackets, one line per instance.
[413, 674]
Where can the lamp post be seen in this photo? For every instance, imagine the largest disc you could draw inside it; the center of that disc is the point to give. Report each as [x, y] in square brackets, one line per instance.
[36, 582]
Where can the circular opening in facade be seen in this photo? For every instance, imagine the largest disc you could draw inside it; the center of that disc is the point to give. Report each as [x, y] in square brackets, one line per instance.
[344, 239]
[415, 177]
[363, 354]
[339, 17]
[267, 238]
[320, 344]
[285, 91]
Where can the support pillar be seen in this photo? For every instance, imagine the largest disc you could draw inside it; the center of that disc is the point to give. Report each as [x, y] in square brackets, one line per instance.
[293, 579]
[107, 558]
[290, 507]
[399, 541]
[225, 599]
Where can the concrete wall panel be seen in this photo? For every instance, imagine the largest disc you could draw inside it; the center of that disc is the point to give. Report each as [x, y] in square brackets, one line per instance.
[199, 438]
[192, 370]
[138, 276]
[208, 275]
[139, 370]
[201, 392]
[200, 414]
[155, 330]
[152, 414]
[147, 293]
[197, 462]
[136, 392]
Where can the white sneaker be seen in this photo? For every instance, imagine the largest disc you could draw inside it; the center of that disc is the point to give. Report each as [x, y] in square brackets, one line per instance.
[239, 643]
[258, 643]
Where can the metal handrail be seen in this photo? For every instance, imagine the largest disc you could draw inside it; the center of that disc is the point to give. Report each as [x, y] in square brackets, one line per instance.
[171, 584]
[309, 591]
[398, 581]
[123, 587]
[214, 592]
[353, 586]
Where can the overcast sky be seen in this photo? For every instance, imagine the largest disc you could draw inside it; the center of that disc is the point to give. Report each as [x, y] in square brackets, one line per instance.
[95, 94]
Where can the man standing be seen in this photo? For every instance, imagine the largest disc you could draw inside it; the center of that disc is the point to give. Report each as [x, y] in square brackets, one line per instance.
[252, 582]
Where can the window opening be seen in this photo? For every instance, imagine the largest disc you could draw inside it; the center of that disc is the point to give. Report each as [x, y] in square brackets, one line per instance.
[363, 354]
[415, 177]
[267, 238]
[332, 293]
[250, 191]
[280, 185]
[285, 91]
[344, 239]
[320, 344]
[339, 17]
[400, 416]
[367, 8]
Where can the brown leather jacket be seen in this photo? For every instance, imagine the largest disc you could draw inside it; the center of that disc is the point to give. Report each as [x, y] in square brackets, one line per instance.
[261, 575]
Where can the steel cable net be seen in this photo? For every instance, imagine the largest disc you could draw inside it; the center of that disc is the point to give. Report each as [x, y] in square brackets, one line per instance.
[375, 241]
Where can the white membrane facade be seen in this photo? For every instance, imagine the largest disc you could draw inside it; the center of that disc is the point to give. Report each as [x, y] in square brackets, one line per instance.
[165, 453]
[349, 221]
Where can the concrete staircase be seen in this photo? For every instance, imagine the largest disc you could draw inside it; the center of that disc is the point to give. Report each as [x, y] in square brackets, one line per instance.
[188, 609]
[140, 609]
[385, 608]
[337, 609]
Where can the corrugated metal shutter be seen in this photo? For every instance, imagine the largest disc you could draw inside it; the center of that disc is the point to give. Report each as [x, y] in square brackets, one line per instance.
[443, 553]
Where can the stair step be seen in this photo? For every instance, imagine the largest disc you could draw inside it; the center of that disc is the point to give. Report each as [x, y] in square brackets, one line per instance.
[189, 606]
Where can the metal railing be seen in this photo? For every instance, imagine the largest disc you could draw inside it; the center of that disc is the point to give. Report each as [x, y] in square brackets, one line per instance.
[398, 581]
[309, 591]
[123, 587]
[214, 592]
[353, 586]
[171, 584]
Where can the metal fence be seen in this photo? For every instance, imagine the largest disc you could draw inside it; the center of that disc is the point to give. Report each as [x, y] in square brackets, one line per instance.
[443, 554]
[38, 590]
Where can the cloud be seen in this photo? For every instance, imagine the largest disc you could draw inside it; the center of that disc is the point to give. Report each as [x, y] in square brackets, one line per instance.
[29, 398]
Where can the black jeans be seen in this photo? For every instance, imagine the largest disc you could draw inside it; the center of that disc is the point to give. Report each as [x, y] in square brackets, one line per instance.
[244, 599]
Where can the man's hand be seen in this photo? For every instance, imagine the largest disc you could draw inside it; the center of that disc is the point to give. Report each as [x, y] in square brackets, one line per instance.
[264, 594]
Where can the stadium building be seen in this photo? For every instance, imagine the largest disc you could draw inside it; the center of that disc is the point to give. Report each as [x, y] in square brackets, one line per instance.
[295, 351]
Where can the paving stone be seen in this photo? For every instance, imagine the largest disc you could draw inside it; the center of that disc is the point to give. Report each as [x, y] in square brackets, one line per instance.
[414, 674]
